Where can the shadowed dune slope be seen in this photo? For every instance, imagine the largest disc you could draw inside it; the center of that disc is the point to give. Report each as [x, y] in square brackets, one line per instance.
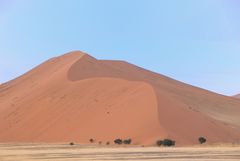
[76, 97]
[237, 96]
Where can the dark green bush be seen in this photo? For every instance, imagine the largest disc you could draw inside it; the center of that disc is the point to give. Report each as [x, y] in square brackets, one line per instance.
[168, 142]
[165, 142]
[118, 141]
[159, 142]
[127, 141]
[202, 140]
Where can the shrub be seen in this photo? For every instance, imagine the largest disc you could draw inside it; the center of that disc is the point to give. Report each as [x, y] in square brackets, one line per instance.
[202, 140]
[91, 140]
[127, 141]
[165, 142]
[159, 143]
[108, 143]
[168, 142]
[71, 143]
[118, 141]
[99, 142]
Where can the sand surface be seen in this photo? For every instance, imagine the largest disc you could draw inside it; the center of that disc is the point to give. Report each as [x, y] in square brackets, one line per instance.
[76, 97]
[237, 96]
[56, 152]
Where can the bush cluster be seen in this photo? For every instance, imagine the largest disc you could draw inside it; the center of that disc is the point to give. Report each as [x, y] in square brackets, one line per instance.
[127, 141]
[120, 141]
[165, 142]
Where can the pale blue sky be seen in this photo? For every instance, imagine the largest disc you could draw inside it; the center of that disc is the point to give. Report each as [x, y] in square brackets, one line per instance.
[194, 41]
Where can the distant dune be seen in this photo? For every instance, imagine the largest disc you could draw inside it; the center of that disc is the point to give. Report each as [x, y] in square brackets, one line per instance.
[237, 96]
[76, 97]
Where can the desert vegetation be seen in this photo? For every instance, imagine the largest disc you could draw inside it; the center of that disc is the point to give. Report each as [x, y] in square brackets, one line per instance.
[118, 141]
[91, 140]
[127, 141]
[165, 142]
[202, 140]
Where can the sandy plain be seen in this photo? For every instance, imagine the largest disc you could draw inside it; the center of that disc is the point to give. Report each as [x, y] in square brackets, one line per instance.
[61, 152]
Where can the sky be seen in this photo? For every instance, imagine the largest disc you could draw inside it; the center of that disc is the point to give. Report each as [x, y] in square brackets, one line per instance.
[194, 41]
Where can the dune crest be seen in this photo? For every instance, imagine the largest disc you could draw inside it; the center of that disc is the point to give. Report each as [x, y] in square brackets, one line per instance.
[76, 97]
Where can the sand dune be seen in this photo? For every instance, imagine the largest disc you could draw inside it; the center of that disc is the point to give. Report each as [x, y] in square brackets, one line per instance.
[237, 96]
[76, 97]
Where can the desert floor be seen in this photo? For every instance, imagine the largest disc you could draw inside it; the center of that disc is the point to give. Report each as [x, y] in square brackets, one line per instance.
[27, 152]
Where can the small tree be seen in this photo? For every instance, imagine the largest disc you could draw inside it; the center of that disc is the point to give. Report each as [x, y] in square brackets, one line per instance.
[72, 143]
[202, 140]
[118, 141]
[165, 142]
[108, 143]
[127, 141]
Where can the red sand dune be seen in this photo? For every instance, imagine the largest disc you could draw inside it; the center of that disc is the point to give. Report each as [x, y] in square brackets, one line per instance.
[237, 96]
[76, 97]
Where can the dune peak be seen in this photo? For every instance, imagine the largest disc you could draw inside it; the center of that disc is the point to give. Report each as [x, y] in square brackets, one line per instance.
[74, 53]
